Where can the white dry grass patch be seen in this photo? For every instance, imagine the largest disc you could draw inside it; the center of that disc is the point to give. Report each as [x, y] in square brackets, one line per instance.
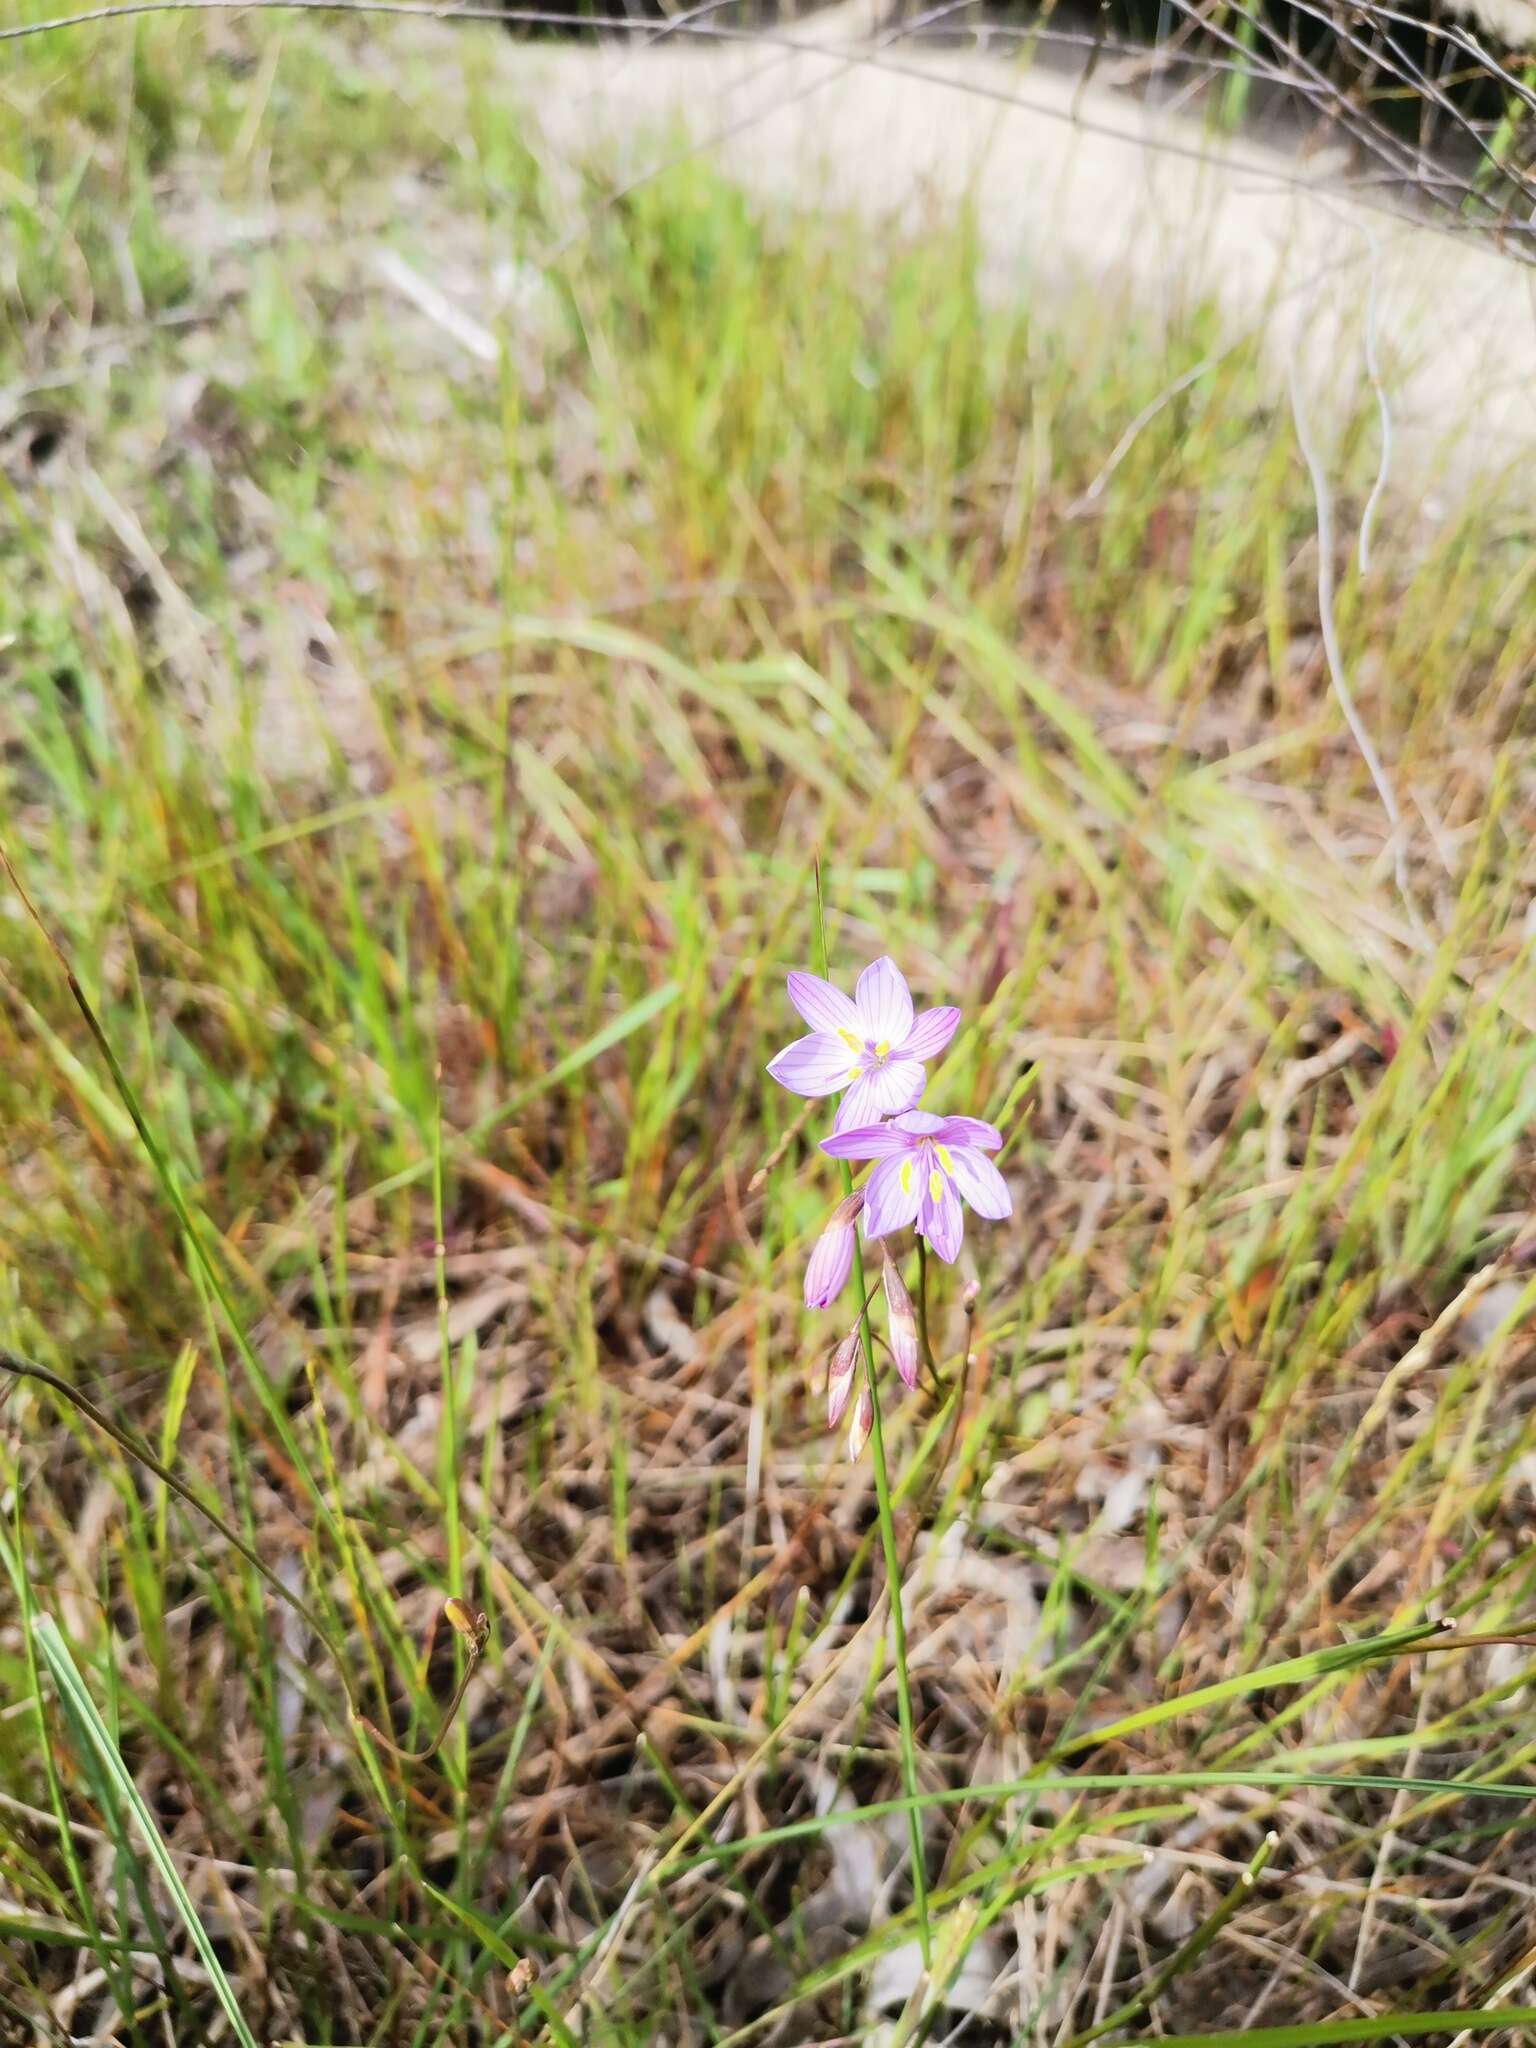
[1079, 191]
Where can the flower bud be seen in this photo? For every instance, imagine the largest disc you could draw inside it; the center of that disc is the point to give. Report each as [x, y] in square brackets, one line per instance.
[902, 1329]
[841, 1374]
[863, 1422]
[831, 1259]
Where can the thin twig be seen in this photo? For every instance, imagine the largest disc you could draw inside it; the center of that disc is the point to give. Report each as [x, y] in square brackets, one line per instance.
[1383, 409]
[1323, 500]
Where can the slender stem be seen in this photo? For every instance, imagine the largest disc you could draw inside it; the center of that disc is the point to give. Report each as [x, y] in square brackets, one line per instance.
[450, 1445]
[898, 1620]
[957, 1395]
[25, 1368]
[922, 1310]
[893, 1573]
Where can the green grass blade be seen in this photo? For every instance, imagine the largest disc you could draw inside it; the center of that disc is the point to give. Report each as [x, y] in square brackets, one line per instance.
[1365, 2027]
[81, 1709]
[1289, 1671]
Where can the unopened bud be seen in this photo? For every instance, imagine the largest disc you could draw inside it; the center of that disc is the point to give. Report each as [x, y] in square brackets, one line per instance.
[831, 1260]
[902, 1321]
[863, 1422]
[841, 1375]
[474, 1628]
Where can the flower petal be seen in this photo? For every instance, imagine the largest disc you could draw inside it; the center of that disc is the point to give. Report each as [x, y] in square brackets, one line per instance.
[940, 1217]
[930, 1034]
[817, 1065]
[868, 1141]
[918, 1123]
[881, 1091]
[891, 1196]
[968, 1130]
[980, 1182]
[823, 1007]
[883, 1002]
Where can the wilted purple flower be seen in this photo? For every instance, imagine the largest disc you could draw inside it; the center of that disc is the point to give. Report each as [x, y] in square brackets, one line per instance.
[841, 1374]
[863, 1422]
[926, 1164]
[831, 1260]
[872, 1046]
[901, 1321]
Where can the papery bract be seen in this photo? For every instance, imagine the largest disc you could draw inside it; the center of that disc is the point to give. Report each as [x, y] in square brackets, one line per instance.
[901, 1321]
[863, 1422]
[841, 1374]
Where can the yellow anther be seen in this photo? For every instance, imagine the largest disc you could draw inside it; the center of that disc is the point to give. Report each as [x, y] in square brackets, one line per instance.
[882, 1048]
[935, 1185]
[905, 1176]
[944, 1159]
[849, 1040]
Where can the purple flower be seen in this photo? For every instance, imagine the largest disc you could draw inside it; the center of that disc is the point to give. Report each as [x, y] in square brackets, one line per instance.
[872, 1046]
[926, 1164]
[901, 1322]
[831, 1260]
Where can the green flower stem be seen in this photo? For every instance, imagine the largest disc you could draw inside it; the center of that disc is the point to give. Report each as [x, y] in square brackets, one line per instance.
[898, 1620]
[888, 1546]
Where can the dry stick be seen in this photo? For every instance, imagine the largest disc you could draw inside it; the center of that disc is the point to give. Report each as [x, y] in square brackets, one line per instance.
[782, 1146]
[1383, 409]
[472, 1628]
[1323, 498]
[1191, 1951]
[1509, 1983]
[961, 1386]
[1384, 1850]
